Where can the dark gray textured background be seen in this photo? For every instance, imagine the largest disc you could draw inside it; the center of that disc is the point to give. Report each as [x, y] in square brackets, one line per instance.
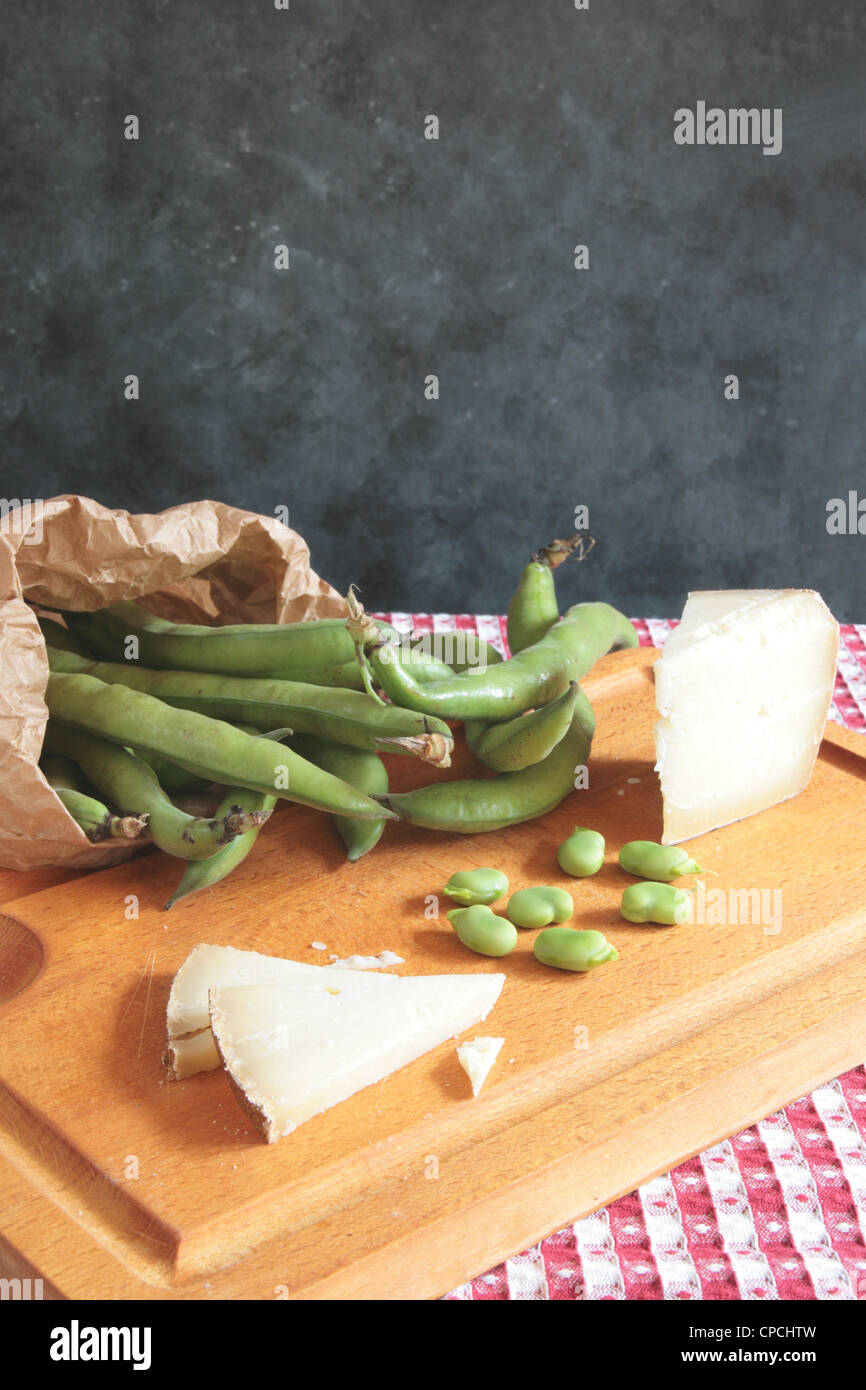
[409, 257]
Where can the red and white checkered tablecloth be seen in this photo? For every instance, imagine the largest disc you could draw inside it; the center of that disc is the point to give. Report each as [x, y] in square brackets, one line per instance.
[777, 1212]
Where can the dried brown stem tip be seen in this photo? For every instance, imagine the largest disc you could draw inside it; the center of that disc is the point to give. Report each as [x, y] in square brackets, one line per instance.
[431, 748]
[554, 554]
[127, 827]
[362, 629]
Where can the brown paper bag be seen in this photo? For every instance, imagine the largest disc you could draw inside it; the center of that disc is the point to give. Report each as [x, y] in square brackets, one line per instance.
[198, 562]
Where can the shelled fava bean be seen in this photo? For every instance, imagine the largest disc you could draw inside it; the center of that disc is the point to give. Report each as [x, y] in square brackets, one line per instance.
[482, 931]
[471, 886]
[582, 854]
[567, 949]
[538, 907]
[646, 859]
[656, 902]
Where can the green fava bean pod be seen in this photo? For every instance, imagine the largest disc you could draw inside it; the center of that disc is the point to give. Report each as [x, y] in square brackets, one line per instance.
[646, 859]
[528, 738]
[343, 716]
[61, 639]
[533, 610]
[656, 902]
[204, 873]
[130, 784]
[582, 854]
[472, 886]
[534, 677]
[482, 931]
[473, 653]
[538, 907]
[211, 748]
[360, 768]
[95, 819]
[567, 949]
[70, 786]
[473, 806]
[287, 650]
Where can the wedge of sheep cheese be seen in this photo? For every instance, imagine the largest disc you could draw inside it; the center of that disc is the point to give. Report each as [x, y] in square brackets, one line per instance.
[190, 1046]
[743, 688]
[292, 1052]
[477, 1057]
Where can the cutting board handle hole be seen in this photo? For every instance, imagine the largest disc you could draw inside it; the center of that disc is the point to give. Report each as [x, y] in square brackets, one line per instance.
[21, 957]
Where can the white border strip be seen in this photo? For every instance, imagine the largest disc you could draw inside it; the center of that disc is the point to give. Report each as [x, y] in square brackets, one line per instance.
[809, 1235]
[667, 1238]
[527, 1276]
[600, 1269]
[736, 1223]
[847, 1141]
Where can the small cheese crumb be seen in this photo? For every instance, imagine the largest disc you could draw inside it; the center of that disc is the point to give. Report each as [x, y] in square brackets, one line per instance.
[477, 1057]
[318, 946]
[380, 962]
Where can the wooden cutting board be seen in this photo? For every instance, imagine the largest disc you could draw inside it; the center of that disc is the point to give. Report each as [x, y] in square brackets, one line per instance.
[115, 1183]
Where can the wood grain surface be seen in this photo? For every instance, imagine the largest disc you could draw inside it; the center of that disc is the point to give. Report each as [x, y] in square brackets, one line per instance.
[117, 1183]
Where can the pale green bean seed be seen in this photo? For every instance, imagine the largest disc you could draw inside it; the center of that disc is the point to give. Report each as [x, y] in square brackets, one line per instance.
[582, 854]
[567, 949]
[656, 902]
[482, 931]
[538, 907]
[646, 859]
[471, 886]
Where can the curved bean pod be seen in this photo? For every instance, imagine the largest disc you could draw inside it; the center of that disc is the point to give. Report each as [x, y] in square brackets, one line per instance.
[71, 788]
[214, 750]
[60, 638]
[473, 806]
[248, 649]
[63, 773]
[95, 819]
[445, 654]
[361, 769]
[79, 797]
[204, 873]
[533, 677]
[344, 716]
[129, 784]
[533, 610]
[528, 738]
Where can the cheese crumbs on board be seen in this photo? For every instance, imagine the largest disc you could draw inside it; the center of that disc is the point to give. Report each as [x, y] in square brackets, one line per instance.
[477, 1057]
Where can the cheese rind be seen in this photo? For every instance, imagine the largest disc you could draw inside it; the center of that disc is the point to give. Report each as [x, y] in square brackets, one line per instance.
[293, 1052]
[191, 1047]
[743, 688]
[477, 1057]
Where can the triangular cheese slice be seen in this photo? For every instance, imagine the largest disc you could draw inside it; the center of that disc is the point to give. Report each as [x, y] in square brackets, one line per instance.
[293, 1052]
[190, 1046]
